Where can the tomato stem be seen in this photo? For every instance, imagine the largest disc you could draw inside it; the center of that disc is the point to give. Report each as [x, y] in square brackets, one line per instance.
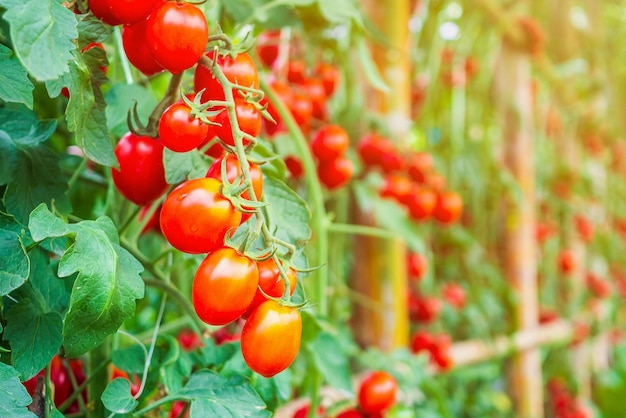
[365, 230]
[98, 384]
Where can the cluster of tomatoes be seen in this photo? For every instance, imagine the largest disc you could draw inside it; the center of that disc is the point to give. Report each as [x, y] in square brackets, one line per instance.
[562, 403]
[376, 395]
[436, 345]
[61, 381]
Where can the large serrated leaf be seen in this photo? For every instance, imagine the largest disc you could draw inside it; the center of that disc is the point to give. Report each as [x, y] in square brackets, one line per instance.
[42, 32]
[15, 85]
[108, 279]
[14, 262]
[287, 213]
[13, 395]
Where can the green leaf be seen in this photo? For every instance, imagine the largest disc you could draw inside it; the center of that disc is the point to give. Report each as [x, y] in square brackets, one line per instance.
[213, 395]
[131, 359]
[121, 98]
[340, 11]
[30, 169]
[117, 398]
[330, 359]
[91, 29]
[14, 262]
[286, 212]
[16, 87]
[369, 67]
[182, 165]
[13, 395]
[104, 292]
[42, 32]
[274, 168]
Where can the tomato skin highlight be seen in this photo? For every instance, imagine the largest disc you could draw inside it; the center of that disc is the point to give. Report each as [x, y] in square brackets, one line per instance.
[136, 49]
[195, 217]
[141, 176]
[270, 338]
[177, 34]
[377, 392]
[224, 286]
[179, 131]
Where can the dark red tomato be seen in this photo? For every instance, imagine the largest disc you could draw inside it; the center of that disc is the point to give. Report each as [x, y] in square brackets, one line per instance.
[329, 74]
[101, 9]
[567, 261]
[132, 11]
[135, 384]
[440, 352]
[223, 286]
[196, 217]
[424, 309]
[303, 412]
[153, 223]
[233, 170]
[267, 46]
[141, 177]
[330, 143]
[417, 265]
[177, 409]
[136, 48]
[177, 34]
[351, 413]
[392, 162]
[336, 173]
[448, 208]
[271, 283]
[372, 147]
[270, 338]
[248, 118]
[419, 165]
[398, 188]
[179, 131]
[189, 340]
[60, 379]
[314, 88]
[296, 71]
[422, 341]
[294, 165]
[241, 70]
[377, 392]
[302, 109]
[454, 294]
[421, 203]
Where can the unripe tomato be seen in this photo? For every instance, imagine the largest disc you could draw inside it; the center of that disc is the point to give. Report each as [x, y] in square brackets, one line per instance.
[177, 34]
[248, 118]
[336, 173]
[271, 283]
[270, 338]
[179, 131]
[330, 143]
[137, 50]
[240, 70]
[132, 11]
[196, 217]
[101, 9]
[141, 176]
[448, 208]
[377, 392]
[223, 286]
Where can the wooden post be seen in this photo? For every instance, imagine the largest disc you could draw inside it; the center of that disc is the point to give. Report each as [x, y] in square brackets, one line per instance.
[512, 89]
[380, 273]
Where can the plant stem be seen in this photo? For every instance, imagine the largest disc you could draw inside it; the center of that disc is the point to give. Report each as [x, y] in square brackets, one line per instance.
[128, 75]
[97, 385]
[48, 393]
[369, 231]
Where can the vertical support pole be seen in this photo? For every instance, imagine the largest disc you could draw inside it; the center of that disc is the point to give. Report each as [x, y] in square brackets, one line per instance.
[513, 92]
[380, 274]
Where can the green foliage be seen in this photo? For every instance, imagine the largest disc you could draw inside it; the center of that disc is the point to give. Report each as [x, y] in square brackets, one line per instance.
[117, 397]
[16, 87]
[14, 262]
[287, 213]
[14, 397]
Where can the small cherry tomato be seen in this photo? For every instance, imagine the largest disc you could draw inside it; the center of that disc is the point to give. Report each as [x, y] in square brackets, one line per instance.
[271, 283]
[448, 208]
[240, 70]
[336, 173]
[132, 11]
[248, 118]
[267, 46]
[179, 131]
[377, 392]
[330, 143]
[137, 50]
[101, 9]
[329, 74]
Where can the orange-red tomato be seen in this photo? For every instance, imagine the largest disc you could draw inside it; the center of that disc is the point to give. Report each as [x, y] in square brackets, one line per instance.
[448, 208]
[377, 392]
[271, 283]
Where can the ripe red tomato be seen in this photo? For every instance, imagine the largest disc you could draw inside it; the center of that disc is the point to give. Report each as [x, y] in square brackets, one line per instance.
[436, 182]
[179, 131]
[422, 341]
[270, 338]
[141, 176]
[421, 203]
[189, 340]
[454, 294]
[135, 384]
[60, 379]
[424, 309]
[329, 74]
[177, 34]
[417, 266]
[448, 208]
[223, 286]
[377, 392]
[153, 223]
[132, 11]
[336, 173]
[330, 143]
[248, 118]
[294, 165]
[567, 261]
[240, 70]
[398, 188]
[599, 287]
[585, 228]
[267, 46]
[302, 109]
[196, 217]
[296, 71]
[271, 283]
[440, 351]
[314, 88]
[303, 412]
[101, 9]
[419, 165]
[372, 147]
[352, 413]
[392, 161]
[177, 408]
[136, 48]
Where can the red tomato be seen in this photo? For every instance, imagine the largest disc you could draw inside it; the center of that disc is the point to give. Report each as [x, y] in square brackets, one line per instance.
[135, 384]
[137, 50]
[336, 173]
[421, 203]
[584, 227]
[296, 72]
[271, 283]
[196, 217]
[422, 341]
[567, 261]
[372, 147]
[314, 88]
[132, 11]
[270, 338]
[392, 161]
[424, 309]
[189, 340]
[267, 46]
[177, 408]
[224, 286]
[153, 223]
[141, 176]
[302, 109]
[294, 165]
[436, 182]
[285, 95]
[377, 392]
[454, 295]
[330, 143]
[248, 118]
[241, 70]
[303, 412]
[398, 188]
[599, 287]
[177, 34]
[351, 413]
[417, 266]
[419, 165]
[448, 208]
[101, 9]
[179, 131]
[440, 351]
[329, 74]
[60, 379]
